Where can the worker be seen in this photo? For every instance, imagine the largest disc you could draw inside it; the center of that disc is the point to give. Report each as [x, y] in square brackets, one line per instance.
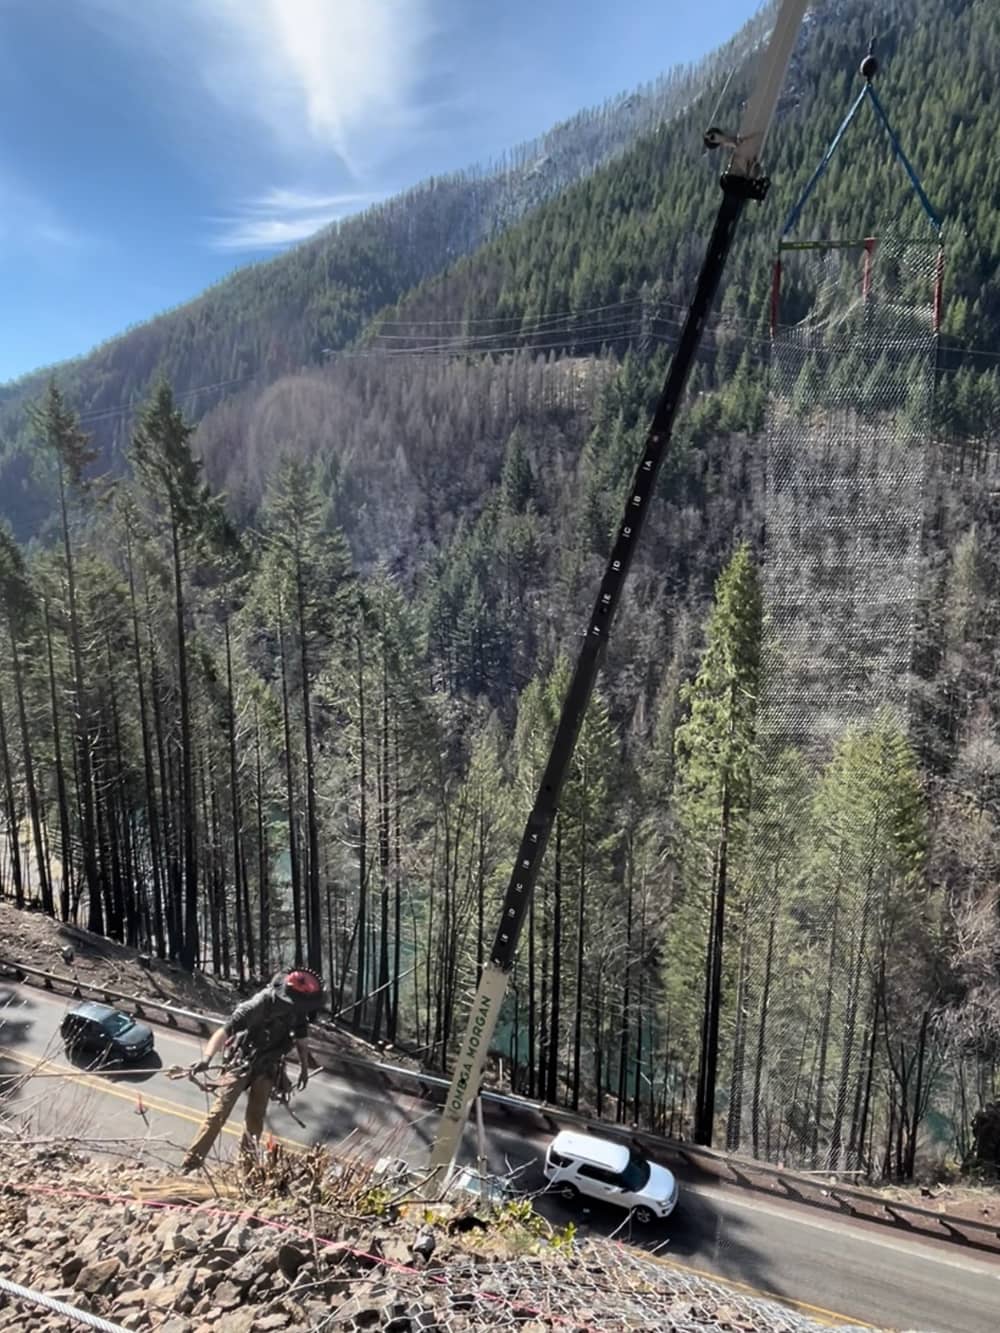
[255, 1040]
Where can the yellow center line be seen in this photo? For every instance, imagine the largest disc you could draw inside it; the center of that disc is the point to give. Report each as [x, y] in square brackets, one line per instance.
[831, 1317]
[154, 1103]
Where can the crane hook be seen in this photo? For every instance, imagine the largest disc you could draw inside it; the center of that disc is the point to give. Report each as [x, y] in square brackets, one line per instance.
[869, 66]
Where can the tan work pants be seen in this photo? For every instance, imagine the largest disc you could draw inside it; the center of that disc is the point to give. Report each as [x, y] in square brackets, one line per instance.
[258, 1089]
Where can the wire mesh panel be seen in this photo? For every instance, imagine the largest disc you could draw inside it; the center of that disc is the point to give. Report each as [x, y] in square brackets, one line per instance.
[595, 1286]
[849, 430]
[852, 379]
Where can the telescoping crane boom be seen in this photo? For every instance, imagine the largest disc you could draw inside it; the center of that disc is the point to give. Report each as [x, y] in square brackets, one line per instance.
[742, 180]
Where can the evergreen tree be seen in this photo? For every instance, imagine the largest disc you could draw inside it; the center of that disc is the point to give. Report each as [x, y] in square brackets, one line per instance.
[181, 506]
[517, 482]
[19, 610]
[714, 761]
[808, 393]
[306, 577]
[863, 892]
[57, 429]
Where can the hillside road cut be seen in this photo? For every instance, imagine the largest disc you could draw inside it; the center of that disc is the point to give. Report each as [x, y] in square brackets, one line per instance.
[835, 1270]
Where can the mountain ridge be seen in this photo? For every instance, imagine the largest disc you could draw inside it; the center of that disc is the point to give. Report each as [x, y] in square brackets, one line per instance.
[280, 315]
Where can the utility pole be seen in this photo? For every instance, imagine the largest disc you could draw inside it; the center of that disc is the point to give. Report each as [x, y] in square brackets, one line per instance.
[742, 180]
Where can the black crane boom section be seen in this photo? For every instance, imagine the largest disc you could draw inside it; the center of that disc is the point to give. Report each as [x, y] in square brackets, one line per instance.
[736, 191]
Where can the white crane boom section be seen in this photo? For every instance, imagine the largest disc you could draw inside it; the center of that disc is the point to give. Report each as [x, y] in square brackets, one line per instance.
[759, 113]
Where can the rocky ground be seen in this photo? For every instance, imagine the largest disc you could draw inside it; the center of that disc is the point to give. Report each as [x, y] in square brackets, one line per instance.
[979, 1203]
[34, 938]
[306, 1244]
[292, 1247]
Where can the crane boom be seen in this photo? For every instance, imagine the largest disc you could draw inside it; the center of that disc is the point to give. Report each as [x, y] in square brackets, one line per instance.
[741, 181]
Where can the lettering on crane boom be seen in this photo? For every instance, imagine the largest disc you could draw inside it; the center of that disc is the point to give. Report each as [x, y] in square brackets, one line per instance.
[464, 1072]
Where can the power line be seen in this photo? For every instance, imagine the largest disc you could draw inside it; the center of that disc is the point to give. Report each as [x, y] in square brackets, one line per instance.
[507, 319]
[102, 414]
[553, 330]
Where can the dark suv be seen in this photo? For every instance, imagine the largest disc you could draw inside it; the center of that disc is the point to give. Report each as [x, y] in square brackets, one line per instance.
[106, 1032]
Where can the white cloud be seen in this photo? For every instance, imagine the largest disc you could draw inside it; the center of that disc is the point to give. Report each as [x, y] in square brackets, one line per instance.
[29, 224]
[300, 201]
[321, 89]
[56, 234]
[333, 75]
[281, 217]
[340, 71]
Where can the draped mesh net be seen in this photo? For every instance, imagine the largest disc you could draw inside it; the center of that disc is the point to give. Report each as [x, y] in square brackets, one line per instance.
[852, 381]
[850, 422]
[597, 1286]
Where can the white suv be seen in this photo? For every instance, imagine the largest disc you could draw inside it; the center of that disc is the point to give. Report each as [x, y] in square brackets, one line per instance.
[578, 1164]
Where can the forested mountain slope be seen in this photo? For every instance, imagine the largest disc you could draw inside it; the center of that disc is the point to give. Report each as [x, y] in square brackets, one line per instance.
[284, 691]
[272, 318]
[609, 263]
[637, 227]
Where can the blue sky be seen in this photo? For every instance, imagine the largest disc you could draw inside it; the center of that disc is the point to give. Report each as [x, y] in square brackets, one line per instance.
[151, 146]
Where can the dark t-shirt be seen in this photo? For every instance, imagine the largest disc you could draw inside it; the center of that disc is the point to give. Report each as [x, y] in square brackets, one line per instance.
[264, 1029]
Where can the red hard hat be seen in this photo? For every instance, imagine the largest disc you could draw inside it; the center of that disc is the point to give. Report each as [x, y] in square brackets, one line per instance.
[303, 982]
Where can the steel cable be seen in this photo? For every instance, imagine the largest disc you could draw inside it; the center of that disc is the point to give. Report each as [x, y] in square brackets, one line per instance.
[47, 1302]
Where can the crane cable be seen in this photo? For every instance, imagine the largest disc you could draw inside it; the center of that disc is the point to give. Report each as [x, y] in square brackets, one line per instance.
[17, 1292]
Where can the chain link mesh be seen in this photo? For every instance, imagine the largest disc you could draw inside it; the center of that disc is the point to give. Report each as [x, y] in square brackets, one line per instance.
[849, 428]
[852, 383]
[598, 1285]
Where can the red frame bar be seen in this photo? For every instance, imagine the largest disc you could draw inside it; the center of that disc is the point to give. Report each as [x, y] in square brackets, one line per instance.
[871, 244]
[939, 290]
[775, 296]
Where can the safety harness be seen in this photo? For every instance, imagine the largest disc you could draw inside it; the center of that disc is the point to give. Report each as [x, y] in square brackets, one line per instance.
[258, 1044]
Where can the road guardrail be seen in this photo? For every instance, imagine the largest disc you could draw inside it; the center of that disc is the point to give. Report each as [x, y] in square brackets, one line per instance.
[822, 1190]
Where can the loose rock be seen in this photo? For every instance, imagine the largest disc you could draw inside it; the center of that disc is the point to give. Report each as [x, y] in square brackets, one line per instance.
[93, 1277]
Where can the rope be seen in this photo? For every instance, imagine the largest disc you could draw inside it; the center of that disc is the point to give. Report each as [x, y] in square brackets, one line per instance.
[173, 1072]
[897, 148]
[59, 1307]
[824, 162]
[866, 92]
[282, 1089]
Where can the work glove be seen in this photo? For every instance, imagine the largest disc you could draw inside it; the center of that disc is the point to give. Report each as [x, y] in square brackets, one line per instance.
[200, 1066]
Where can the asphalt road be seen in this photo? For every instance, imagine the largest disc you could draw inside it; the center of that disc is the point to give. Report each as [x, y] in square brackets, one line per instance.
[837, 1271]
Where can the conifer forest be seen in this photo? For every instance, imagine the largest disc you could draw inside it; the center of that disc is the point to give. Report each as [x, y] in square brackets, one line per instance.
[292, 581]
